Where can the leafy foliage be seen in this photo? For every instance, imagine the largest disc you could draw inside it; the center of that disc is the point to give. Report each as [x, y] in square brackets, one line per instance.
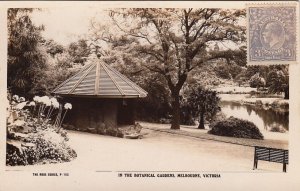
[234, 127]
[204, 103]
[256, 81]
[274, 78]
[45, 150]
[156, 105]
[278, 81]
[53, 47]
[226, 71]
[60, 68]
[25, 56]
[79, 51]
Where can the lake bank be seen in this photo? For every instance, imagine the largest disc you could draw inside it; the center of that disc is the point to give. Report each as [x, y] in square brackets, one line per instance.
[276, 103]
[268, 114]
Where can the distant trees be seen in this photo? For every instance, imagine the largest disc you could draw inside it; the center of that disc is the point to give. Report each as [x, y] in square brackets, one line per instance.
[25, 55]
[274, 78]
[62, 63]
[256, 81]
[79, 51]
[278, 81]
[50, 77]
[226, 71]
[53, 47]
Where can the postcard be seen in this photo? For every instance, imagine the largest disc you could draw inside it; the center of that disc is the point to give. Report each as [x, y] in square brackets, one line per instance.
[155, 95]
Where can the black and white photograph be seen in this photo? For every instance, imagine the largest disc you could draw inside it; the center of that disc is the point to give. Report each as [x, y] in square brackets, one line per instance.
[153, 93]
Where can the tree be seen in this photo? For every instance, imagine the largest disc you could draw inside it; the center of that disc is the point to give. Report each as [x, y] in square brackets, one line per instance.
[252, 70]
[241, 78]
[53, 47]
[25, 55]
[173, 42]
[203, 103]
[256, 81]
[79, 51]
[59, 68]
[278, 81]
[204, 75]
[226, 71]
[47, 80]
[156, 105]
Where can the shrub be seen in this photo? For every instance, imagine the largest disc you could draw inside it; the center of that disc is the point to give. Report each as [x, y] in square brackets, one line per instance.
[111, 131]
[14, 156]
[284, 105]
[253, 93]
[219, 116]
[48, 147]
[258, 103]
[234, 127]
[277, 128]
[256, 81]
[164, 120]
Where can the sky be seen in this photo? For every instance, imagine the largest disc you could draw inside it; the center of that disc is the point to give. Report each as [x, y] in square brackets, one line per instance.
[66, 25]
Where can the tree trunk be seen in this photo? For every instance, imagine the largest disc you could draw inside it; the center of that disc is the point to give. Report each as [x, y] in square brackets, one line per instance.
[175, 111]
[201, 122]
[286, 93]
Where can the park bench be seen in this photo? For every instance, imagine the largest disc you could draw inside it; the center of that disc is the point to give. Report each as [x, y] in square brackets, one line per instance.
[271, 155]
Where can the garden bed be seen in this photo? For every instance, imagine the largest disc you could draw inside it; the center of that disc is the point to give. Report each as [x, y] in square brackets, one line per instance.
[33, 137]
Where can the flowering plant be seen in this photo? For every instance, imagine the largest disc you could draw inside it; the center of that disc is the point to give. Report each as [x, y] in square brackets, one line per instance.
[32, 137]
[68, 106]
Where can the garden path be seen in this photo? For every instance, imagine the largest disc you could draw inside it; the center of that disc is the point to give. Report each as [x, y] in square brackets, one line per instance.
[157, 151]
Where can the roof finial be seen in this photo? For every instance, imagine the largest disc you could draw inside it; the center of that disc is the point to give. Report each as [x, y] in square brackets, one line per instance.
[95, 50]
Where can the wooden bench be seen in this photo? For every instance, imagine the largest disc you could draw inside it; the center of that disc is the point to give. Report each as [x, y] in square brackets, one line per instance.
[271, 155]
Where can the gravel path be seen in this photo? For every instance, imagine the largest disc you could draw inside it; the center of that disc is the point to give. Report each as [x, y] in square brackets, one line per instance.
[101, 158]
[156, 151]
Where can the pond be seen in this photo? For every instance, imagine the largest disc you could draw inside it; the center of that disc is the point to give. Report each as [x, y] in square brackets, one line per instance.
[264, 118]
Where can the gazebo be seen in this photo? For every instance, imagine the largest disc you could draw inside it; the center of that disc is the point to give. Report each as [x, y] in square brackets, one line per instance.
[100, 95]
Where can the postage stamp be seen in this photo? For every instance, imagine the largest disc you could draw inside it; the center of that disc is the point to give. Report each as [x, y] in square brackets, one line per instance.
[272, 34]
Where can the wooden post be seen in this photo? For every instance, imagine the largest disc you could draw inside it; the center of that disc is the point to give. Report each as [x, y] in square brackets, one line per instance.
[255, 160]
[284, 164]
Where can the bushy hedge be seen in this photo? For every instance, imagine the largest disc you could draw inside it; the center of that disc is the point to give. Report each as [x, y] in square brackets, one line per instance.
[234, 127]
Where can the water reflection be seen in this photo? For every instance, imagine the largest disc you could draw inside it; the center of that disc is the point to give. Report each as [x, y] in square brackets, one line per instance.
[264, 118]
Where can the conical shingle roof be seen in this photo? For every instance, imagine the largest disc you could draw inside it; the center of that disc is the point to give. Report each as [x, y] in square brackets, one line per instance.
[97, 79]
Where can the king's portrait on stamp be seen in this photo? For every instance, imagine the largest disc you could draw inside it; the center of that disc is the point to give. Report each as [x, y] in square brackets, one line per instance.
[271, 34]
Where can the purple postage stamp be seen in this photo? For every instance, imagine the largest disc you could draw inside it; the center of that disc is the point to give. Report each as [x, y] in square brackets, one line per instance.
[272, 34]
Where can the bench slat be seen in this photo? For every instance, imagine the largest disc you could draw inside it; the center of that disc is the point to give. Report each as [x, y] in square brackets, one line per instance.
[271, 154]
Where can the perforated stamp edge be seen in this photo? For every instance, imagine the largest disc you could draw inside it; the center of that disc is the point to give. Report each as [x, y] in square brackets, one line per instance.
[273, 4]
